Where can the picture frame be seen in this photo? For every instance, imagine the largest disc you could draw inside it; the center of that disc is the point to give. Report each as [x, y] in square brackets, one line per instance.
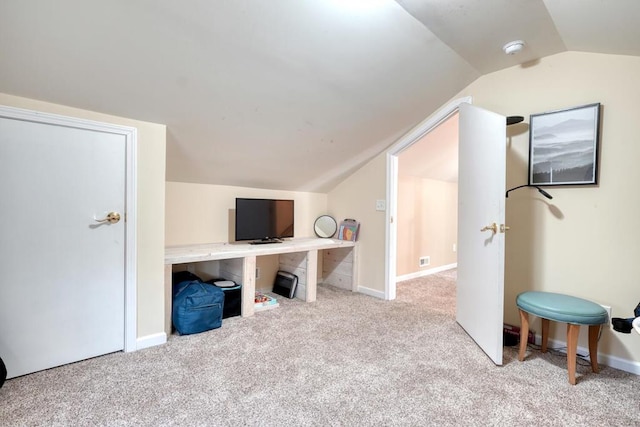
[564, 146]
[349, 229]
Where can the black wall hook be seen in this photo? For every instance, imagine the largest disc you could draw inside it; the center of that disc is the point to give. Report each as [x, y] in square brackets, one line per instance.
[544, 193]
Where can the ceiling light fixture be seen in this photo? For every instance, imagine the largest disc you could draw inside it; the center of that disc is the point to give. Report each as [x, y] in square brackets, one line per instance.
[513, 47]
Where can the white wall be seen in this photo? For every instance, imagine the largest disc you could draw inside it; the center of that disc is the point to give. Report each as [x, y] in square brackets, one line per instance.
[204, 213]
[150, 204]
[585, 241]
[427, 223]
[356, 198]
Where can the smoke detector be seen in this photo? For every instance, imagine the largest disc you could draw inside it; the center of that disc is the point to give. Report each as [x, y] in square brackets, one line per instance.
[513, 47]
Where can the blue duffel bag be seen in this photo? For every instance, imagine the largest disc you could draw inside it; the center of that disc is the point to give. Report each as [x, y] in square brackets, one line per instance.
[197, 307]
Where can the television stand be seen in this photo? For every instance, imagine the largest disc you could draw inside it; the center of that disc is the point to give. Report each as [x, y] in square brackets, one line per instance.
[265, 241]
[238, 262]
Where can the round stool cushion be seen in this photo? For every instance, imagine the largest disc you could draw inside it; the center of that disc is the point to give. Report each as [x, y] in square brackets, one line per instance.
[562, 308]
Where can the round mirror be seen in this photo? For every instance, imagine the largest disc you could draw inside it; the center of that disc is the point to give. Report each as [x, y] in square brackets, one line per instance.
[325, 226]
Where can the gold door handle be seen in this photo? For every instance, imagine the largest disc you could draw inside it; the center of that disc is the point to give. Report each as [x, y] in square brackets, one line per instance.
[493, 227]
[504, 228]
[112, 218]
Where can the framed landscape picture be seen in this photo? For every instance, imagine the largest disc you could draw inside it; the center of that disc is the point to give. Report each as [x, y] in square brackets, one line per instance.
[563, 146]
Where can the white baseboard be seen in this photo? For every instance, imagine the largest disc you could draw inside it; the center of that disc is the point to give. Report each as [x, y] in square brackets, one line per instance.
[371, 292]
[362, 290]
[427, 272]
[380, 294]
[151, 340]
[603, 359]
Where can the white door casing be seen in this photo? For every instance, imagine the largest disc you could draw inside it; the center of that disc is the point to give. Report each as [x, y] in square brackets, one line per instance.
[481, 203]
[67, 283]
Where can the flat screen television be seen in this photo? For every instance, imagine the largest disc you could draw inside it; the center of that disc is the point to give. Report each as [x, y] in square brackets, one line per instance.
[263, 220]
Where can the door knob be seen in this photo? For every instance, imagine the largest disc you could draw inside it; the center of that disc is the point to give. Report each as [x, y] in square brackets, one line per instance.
[112, 218]
[493, 227]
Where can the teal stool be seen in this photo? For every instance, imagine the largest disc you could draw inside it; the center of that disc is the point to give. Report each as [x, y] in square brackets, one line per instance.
[562, 308]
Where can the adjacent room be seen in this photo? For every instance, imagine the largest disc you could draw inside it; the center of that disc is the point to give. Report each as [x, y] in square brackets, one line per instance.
[474, 163]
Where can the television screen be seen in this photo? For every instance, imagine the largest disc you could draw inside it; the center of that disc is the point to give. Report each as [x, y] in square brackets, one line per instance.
[263, 220]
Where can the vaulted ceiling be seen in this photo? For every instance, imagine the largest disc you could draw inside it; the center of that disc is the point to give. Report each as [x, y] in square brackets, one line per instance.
[284, 94]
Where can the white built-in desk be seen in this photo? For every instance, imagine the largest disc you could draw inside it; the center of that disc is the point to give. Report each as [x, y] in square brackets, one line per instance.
[298, 256]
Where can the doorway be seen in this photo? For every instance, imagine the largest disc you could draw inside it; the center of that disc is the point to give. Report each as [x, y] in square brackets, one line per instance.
[407, 141]
[427, 218]
[481, 189]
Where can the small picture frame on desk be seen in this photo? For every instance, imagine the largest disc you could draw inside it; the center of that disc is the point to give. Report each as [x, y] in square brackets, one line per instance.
[349, 229]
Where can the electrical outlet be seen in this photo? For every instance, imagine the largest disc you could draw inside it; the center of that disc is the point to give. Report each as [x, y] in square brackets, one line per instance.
[423, 261]
[381, 205]
[608, 308]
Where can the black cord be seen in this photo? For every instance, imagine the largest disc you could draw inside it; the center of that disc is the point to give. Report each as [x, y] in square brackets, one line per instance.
[557, 351]
[540, 190]
[581, 359]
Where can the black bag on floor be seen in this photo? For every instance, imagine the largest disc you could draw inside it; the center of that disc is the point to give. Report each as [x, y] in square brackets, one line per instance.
[179, 278]
[232, 296]
[3, 372]
[197, 307]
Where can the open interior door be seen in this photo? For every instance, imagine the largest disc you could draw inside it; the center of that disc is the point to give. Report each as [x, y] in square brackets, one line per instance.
[481, 189]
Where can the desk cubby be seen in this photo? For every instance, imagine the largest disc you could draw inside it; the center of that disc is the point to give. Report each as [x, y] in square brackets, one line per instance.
[237, 262]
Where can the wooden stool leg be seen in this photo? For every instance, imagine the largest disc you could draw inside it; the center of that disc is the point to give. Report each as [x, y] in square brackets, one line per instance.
[594, 331]
[572, 348]
[545, 334]
[524, 334]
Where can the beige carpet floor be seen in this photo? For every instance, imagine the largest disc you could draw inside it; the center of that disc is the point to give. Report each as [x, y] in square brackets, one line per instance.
[345, 360]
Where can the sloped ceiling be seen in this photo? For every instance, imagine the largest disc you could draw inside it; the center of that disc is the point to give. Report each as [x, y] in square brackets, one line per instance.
[284, 94]
[435, 155]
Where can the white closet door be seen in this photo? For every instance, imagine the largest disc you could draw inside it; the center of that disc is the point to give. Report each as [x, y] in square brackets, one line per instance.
[62, 292]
